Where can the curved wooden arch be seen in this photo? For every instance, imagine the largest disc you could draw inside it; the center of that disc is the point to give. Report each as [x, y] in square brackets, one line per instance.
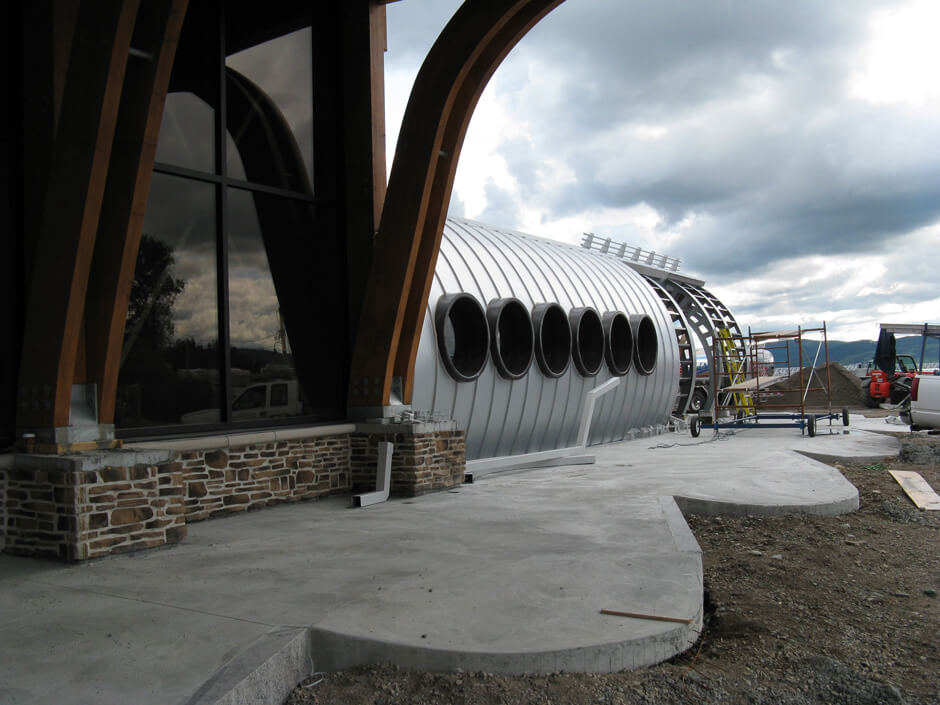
[449, 84]
[98, 180]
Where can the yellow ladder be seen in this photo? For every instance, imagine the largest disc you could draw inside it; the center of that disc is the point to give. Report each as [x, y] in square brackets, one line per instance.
[744, 405]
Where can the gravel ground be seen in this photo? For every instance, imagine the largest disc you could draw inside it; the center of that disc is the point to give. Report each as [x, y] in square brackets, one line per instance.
[799, 611]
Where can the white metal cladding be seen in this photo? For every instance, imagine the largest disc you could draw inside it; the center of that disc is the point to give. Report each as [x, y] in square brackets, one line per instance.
[509, 417]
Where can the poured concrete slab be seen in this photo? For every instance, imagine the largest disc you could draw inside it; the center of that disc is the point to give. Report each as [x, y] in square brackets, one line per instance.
[881, 424]
[506, 575]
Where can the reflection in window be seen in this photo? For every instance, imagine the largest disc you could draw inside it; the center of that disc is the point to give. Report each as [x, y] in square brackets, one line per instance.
[178, 330]
[252, 398]
[187, 131]
[260, 349]
[279, 394]
[170, 357]
[270, 83]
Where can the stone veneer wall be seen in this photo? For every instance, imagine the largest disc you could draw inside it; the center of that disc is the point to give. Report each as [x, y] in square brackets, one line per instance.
[427, 456]
[89, 505]
[75, 508]
[225, 481]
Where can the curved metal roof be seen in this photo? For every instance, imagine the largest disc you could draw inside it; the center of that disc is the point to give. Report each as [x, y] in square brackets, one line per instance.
[537, 412]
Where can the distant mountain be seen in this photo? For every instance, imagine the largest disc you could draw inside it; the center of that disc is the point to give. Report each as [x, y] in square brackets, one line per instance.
[852, 352]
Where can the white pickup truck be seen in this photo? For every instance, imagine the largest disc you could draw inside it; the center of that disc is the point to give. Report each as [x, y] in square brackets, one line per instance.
[262, 400]
[925, 402]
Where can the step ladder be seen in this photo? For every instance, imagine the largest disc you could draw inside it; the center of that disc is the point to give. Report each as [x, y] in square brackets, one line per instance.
[735, 369]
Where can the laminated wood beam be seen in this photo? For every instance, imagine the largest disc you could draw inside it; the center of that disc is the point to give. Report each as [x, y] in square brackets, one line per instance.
[125, 197]
[70, 211]
[446, 91]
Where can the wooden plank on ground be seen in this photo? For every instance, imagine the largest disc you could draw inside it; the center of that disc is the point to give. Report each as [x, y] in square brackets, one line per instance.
[640, 615]
[917, 488]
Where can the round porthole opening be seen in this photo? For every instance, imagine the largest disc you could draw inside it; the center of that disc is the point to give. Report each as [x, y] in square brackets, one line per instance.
[647, 343]
[462, 335]
[552, 339]
[511, 337]
[618, 342]
[587, 340]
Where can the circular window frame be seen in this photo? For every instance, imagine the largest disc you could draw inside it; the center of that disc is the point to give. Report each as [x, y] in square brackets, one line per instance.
[550, 322]
[586, 328]
[510, 312]
[616, 325]
[464, 334]
[645, 343]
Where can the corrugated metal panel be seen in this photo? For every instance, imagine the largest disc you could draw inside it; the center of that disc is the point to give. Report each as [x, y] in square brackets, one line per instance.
[537, 412]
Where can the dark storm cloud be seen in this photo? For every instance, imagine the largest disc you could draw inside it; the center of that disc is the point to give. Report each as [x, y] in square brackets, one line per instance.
[735, 122]
[413, 28]
[644, 60]
[756, 137]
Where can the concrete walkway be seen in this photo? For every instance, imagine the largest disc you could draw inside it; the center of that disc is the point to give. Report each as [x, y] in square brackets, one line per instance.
[506, 575]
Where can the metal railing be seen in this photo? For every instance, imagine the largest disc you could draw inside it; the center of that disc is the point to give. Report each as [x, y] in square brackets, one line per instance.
[629, 253]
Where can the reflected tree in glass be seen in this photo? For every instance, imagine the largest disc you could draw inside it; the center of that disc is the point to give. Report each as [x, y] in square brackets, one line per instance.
[153, 293]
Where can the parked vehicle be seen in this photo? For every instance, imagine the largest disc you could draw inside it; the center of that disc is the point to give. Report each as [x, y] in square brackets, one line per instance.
[881, 387]
[924, 411]
[262, 400]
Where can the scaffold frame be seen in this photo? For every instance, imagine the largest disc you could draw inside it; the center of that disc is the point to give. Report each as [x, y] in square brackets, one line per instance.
[744, 396]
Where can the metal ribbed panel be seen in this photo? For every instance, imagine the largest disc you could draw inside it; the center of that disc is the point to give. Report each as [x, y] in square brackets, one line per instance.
[706, 315]
[537, 412]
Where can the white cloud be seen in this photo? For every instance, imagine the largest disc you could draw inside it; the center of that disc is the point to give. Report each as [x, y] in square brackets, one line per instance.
[252, 309]
[899, 62]
[788, 153]
[195, 312]
[490, 126]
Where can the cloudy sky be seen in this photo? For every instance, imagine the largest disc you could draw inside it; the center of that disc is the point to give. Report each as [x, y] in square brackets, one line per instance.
[787, 152]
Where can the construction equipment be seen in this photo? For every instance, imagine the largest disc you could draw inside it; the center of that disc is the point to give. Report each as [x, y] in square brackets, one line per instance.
[889, 376]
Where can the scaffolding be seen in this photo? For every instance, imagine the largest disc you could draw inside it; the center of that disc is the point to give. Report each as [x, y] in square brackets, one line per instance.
[748, 392]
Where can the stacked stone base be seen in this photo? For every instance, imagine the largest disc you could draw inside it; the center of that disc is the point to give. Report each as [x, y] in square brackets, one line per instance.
[75, 508]
[91, 505]
[228, 481]
[427, 457]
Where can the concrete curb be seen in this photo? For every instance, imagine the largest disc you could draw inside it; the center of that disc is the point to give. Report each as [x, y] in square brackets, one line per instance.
[679, 527]
[711, 507]
[262, 673]
[333, 652]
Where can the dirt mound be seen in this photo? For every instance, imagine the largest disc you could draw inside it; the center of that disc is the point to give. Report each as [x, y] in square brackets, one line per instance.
[845, 387]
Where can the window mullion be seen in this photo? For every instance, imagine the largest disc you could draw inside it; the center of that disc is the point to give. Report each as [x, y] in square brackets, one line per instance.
[225, 354]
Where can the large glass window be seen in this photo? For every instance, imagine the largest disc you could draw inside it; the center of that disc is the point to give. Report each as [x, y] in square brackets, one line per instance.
[170, 360]
[267, 84]
[221, 280]
[187, 131]
[259, 347]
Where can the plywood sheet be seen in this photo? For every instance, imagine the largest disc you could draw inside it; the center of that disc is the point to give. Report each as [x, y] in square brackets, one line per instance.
[751, 384]
[917, 488]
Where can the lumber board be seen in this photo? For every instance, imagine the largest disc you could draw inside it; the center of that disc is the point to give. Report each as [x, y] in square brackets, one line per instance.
[640, 615]
[751, 384]
[917, 488]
